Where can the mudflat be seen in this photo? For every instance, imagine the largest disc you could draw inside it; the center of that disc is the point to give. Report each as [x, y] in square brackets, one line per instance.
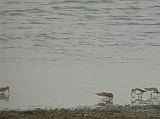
[99, 112]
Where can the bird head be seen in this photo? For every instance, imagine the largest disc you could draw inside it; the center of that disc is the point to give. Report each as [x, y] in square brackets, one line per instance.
[7, 87]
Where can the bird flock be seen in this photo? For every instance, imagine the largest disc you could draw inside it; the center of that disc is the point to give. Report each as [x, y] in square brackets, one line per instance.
[140, 92]
[109, 96]
[136, 91]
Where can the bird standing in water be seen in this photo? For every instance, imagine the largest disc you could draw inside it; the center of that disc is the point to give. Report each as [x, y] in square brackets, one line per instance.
[138, 92]
[4, 89]
[152, 90]
[105, 95]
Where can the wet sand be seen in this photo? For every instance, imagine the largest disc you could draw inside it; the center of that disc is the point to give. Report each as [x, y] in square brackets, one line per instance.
[95, 112]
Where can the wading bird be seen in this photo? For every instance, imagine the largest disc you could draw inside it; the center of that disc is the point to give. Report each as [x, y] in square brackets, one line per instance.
[105, 95]
[152, 90]
[4, 89]
[138, 92]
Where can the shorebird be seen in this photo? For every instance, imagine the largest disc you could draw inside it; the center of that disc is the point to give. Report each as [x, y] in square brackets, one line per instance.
[152, 90]
[105, 95]
[138, 92]
[3, 89]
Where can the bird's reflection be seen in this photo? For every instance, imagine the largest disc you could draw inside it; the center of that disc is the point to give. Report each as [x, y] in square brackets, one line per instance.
[155, 100]
[4, 97]
[136, 101]
[105, 102]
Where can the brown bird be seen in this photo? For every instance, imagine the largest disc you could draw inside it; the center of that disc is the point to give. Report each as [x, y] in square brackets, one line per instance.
[138, 92]
[105, 95]
[3, 89]
[152, 90]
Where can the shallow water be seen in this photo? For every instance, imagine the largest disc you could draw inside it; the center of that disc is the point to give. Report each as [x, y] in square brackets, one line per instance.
[60, 53]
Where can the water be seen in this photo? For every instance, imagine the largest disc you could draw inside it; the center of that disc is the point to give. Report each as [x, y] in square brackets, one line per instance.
[60, 53]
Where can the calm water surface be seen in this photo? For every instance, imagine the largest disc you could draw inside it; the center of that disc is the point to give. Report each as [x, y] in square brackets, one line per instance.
[59, 53]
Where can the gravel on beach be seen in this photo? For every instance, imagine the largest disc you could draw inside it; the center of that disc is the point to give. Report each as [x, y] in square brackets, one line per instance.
[79, 112]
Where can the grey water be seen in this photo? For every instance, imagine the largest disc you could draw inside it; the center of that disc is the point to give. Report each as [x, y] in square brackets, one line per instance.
[59, 53]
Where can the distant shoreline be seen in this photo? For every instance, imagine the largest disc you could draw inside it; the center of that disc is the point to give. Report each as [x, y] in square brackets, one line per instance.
[98, 112]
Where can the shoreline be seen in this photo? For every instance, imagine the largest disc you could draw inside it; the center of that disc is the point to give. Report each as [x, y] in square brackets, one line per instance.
[83, 112]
